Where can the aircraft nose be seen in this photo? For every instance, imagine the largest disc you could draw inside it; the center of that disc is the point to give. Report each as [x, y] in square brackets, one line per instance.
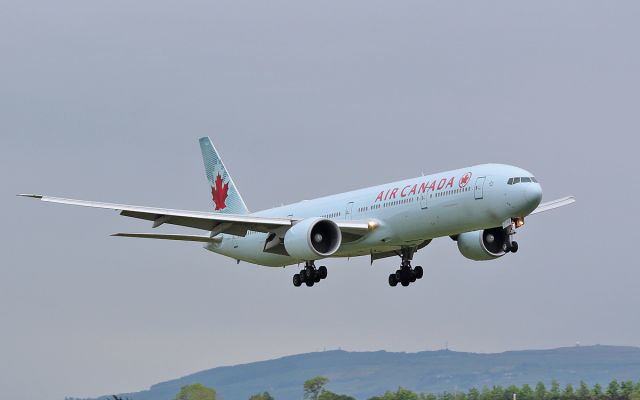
[533, 195]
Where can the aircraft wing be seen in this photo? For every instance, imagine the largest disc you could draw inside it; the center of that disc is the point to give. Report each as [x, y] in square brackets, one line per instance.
[234, 224]
[550, 205]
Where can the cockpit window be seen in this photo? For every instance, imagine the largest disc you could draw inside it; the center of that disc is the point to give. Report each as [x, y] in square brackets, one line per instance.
[533, 179]
[526, 179]
[510, 181]
[516, 180]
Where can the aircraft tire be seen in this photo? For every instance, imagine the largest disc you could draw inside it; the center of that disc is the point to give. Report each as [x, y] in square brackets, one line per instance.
[303, 275]
[393, 281]
[309, 282]
[296, 280]
[316, 277]
[322, 271]
[514, 247]
[405, 282]
[419, 272]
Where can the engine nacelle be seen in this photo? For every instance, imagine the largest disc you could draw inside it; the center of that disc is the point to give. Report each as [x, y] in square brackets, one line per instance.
[312, 239]
[482, 245]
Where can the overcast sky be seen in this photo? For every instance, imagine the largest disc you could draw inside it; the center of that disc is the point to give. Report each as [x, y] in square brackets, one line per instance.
[105, 100]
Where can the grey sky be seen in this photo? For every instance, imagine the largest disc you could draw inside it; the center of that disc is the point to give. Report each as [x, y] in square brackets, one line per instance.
[105, 100]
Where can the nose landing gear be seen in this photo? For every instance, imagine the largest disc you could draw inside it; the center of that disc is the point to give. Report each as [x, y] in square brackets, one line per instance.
[310, 275]
[511, 245]
[406, 274]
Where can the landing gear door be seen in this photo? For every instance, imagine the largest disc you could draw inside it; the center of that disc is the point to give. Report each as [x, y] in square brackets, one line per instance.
[479, 189]
[348, 212]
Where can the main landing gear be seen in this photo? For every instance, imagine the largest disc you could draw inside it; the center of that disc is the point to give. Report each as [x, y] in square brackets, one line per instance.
[310, 275]
[406, 274]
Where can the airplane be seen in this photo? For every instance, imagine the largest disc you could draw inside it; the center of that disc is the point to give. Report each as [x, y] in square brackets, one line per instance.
[479, 207]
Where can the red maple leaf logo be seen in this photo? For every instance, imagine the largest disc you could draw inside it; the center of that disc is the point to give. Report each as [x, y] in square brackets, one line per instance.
[465, 179]
[219, 193]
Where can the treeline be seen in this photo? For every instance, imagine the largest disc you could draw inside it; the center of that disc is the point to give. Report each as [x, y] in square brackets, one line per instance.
[314, 389]
[626, 390]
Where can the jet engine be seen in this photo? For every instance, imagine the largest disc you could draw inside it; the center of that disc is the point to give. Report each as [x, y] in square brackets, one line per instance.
[482, 245]
[312, 239]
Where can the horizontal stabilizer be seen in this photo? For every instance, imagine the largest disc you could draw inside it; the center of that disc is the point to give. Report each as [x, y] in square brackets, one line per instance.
[185, 238]
[550, 205]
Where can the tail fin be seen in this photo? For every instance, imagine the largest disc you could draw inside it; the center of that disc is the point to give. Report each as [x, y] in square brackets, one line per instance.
[225, 196]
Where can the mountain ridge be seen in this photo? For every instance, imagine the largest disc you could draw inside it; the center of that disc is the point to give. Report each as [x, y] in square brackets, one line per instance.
[368, 373]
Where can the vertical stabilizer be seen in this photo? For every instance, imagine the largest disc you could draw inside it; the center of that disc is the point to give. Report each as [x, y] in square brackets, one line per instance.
[225, 196]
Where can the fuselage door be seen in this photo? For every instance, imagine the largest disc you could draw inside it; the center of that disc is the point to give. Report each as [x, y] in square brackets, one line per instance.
[424, 202]
[479, 189]
[348, 210]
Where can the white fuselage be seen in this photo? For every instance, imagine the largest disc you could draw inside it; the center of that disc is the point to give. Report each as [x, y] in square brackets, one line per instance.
[405, 213]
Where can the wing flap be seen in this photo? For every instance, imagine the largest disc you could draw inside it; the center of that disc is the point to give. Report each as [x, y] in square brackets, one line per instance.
[184, 238]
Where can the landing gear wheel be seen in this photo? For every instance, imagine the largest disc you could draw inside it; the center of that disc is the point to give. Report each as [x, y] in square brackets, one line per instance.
[514, 247]
[303, 275]
[412, 276]
[316, 277]
[393, 281]
[405, 282]
[296, 280]
[418, 272]
[309, 282]
[322, 272]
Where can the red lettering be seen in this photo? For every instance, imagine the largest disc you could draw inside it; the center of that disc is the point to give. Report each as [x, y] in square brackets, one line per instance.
[423, 187]
[385, 196]
[403, 194]
[450, 183]
[379, 198]
[393, 193]
[433, 186]
[413, 189]
[442, 182]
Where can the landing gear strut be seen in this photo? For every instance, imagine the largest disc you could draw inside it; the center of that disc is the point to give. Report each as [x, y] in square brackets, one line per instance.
[310, 275]
[406, 274]
[510, 245]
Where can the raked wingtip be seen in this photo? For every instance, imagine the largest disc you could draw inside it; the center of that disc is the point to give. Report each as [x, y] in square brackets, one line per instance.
[33, 196]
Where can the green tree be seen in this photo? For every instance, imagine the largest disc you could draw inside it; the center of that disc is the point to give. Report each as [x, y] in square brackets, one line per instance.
[485, 393]
[526, 393]
[613, 390]
[626, 389]
[473, 394]
[401, 394]
[583, 392]
[635, 395]
[313, 387]
[554, 392]
[497, 392]
[327, 395]
[261, 396]
[540, 392]
[196, 391]
[568, 393]
[597, 391]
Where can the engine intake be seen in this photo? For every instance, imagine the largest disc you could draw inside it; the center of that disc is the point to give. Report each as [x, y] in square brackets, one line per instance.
[482, 245]
[312, 239]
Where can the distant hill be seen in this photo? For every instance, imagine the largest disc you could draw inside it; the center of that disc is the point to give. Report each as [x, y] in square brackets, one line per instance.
[365, 374]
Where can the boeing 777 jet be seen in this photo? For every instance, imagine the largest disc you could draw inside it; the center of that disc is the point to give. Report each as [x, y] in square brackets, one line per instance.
[479, 207]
